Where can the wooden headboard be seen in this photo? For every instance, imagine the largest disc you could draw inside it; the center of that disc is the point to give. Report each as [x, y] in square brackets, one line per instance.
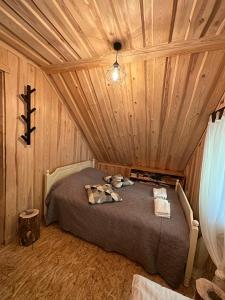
[59, 173]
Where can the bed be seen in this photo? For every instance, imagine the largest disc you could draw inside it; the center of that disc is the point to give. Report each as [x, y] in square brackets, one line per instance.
[161, 246]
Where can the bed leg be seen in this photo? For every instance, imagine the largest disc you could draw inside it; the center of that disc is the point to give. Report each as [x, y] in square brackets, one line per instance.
[177, 183]
[191, 253]
[93, 162]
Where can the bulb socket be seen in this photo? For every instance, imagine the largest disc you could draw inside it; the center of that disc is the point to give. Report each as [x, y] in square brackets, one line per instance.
[117, 46]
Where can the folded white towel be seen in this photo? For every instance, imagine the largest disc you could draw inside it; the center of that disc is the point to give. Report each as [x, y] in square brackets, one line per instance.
[162, 208]
[160, 193]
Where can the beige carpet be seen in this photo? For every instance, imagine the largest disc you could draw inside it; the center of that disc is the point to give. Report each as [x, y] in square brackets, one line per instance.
[60, 266]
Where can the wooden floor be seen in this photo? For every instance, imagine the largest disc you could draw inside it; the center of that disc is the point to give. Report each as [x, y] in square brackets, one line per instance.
[60, 266]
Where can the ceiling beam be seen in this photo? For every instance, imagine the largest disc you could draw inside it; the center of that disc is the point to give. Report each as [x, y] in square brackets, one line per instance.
[128, 56]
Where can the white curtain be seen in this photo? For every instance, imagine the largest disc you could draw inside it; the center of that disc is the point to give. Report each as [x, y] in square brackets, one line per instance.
[212, 195]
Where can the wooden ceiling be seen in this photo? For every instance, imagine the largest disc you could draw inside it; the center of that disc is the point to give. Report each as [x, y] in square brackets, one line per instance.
[173, 55]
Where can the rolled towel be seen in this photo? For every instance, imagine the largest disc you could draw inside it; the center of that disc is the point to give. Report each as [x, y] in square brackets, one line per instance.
[162, 208]
[160, 193]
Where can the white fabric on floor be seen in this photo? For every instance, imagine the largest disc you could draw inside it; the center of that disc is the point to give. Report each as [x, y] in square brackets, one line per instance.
[145, 289]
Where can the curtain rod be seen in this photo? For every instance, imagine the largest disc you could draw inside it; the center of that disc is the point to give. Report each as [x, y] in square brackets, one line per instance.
[220, 111]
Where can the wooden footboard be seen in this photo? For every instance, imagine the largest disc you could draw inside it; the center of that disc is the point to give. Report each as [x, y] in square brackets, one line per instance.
[193, 237]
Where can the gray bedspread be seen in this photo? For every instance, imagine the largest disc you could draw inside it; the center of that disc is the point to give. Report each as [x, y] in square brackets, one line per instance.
[129, 227]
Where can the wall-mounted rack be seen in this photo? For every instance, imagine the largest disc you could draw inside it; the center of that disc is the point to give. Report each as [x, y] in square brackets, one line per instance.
[27, 119]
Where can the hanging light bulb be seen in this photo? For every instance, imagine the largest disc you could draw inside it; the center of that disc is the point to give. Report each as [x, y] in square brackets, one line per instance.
[116, 73]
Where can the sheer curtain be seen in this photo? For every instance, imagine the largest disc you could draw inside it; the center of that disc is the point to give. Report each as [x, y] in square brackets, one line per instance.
[212, 195]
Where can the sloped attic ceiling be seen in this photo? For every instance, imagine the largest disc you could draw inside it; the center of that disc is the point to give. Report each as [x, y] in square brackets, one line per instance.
[174, 57]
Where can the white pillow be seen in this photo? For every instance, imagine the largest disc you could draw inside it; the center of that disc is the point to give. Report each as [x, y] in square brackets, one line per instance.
[145, 289]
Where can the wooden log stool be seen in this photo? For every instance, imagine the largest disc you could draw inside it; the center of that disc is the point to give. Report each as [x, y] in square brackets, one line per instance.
[29, 227]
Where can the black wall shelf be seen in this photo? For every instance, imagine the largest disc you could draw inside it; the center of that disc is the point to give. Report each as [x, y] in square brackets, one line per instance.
[27, 119]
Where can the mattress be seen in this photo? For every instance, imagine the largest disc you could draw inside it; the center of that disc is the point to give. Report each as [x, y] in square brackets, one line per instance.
[129, 227]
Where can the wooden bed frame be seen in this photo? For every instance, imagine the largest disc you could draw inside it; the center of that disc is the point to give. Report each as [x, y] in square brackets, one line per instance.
[62, 172]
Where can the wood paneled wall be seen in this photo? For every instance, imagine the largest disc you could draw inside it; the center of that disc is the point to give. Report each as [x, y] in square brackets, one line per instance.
[55, 142]
[113, 169]
[193, 174]
[2, 160]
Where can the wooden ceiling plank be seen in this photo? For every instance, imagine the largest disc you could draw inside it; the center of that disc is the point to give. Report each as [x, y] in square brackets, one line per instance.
[181, 24]
[101, 40]
[133, 117]
[149, 92]
[173, 17]
[200, 99]
[4, 62]
[221, 28]
[139, 117]
[69, 101]
[132, 14]
[148, 22]
[182, 77]
[110, 17]
[114, 136]
[127, 56]
[128, 96]
[31, 14]
[23, 48]
[108, 113]
[71, 11]
[217, 16]
[177, 97]
[158, 84]
[56, 15]
[201, 16]
[92, 112]
[121, 138]
[24, 31]
[197, 63]
[166, 122]
[221, 103]
[199, 111]
[115, 109]
[162, 15]
[210, 99]
[127, 125]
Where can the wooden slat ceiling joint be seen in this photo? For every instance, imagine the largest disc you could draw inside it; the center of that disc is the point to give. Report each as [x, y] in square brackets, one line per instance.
[134, 55]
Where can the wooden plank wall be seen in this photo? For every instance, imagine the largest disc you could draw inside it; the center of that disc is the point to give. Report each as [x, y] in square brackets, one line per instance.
[56, 141]
[113, 169]
[2, 160]
[193, 174]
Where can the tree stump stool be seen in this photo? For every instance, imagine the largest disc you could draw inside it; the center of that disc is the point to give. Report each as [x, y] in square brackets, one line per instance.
[29, 227]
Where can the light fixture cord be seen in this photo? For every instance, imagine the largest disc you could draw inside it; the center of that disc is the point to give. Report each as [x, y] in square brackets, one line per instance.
[116, 56]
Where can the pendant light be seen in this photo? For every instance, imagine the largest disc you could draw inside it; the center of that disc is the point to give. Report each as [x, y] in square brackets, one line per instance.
[116, 73]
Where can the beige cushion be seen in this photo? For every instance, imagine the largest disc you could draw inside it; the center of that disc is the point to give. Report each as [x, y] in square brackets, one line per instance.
[98, 194]
[118, 181]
